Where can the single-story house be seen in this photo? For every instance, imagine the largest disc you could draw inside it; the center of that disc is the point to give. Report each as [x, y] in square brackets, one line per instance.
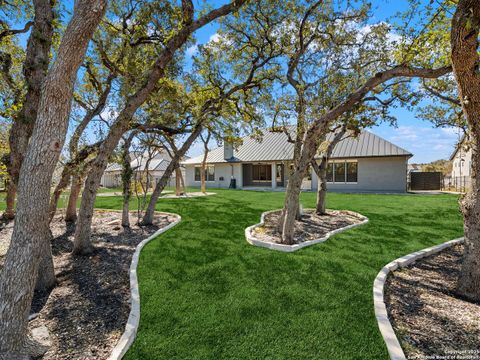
[367, 163]
[112, 176]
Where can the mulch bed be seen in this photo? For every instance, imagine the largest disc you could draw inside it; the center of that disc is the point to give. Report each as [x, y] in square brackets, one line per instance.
[428, 318]
[310, 227]
[87, 311]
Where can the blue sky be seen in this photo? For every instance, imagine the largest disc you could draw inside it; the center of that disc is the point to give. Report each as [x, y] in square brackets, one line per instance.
[418, 137]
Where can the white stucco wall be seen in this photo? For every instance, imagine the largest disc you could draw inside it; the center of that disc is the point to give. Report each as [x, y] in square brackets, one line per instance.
[383, 174]
[223, 174]
[459, 167]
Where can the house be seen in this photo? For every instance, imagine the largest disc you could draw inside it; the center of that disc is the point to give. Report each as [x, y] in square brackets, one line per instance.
[367, 163]
[155, 168]
[414, 168]
[461, 159]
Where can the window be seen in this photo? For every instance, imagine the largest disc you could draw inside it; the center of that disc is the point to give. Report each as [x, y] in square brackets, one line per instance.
[352, 172]
[330, 172]
[342, 172]
[339, 172]
[262, 173]
[209, 173]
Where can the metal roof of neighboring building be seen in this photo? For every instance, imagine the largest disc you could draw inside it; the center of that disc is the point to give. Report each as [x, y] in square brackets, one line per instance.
[275, 147]
[159, 162]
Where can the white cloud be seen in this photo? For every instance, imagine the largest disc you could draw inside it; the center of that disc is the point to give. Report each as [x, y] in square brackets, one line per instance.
[214, 37]
[192, 50]
[109, 114]
[426, 143]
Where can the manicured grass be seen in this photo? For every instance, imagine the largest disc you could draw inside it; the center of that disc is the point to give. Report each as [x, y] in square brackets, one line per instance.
[207, 294]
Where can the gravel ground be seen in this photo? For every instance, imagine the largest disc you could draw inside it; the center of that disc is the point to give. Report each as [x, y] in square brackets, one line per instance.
[87, 311]
[430, 321]
[310, 227]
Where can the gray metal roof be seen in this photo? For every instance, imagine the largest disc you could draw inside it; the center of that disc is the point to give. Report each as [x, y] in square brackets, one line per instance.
[159, 162]
[274, 147]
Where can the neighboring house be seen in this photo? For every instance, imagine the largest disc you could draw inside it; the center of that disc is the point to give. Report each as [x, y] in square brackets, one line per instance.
[364, 164]
[461, 160]
[112, 177]
[414, 168]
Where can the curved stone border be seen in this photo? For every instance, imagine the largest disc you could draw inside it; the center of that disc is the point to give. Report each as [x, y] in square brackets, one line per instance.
[130, 332]
[290, 248]
[391, 341]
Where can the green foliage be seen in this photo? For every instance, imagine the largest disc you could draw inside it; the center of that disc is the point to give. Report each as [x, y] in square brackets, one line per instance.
[4, 150]
[443, 166]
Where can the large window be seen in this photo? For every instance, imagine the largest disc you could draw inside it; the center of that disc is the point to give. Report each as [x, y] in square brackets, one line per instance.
[262, 173]
[352, 172]
[209, 173]
[342, 172]
[330, 172]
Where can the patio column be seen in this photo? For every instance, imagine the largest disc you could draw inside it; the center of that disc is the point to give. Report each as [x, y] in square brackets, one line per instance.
[274, 175]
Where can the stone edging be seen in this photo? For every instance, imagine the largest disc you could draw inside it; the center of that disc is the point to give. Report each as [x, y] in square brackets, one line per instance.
[290, 248]
[131, 327]
[393, 345]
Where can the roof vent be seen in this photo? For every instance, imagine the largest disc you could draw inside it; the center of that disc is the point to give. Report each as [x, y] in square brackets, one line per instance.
[227, 150]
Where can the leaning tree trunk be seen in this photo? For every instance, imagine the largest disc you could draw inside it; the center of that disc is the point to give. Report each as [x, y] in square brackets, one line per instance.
[465, 59]
[62, 185]
[127, 173]
[148, 217]
[82, 243]
[75, 189]
[37, 58]
[31, 229]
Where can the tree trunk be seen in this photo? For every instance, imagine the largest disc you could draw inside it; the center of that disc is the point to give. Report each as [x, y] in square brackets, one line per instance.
[62, 184]
[464, 40]
[178, 183]
[148, 217]
[127, 174]
[75, 165]
[31, 229]
[291, 207]
[321, 171]
[9, 213]
[203, 185]
[126, 209]
[82, 242]
[182, 181]
[46, 272]
[75, 189]
[35, 67]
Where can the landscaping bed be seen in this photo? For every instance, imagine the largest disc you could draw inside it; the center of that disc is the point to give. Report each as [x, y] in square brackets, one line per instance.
[429, 320]
[311, 226]
[87, 311]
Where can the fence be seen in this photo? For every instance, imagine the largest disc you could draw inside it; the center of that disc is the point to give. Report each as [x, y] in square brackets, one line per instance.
[456, 183]
[425, 180]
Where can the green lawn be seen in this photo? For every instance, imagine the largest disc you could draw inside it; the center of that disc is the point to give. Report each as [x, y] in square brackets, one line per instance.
[207, 294]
